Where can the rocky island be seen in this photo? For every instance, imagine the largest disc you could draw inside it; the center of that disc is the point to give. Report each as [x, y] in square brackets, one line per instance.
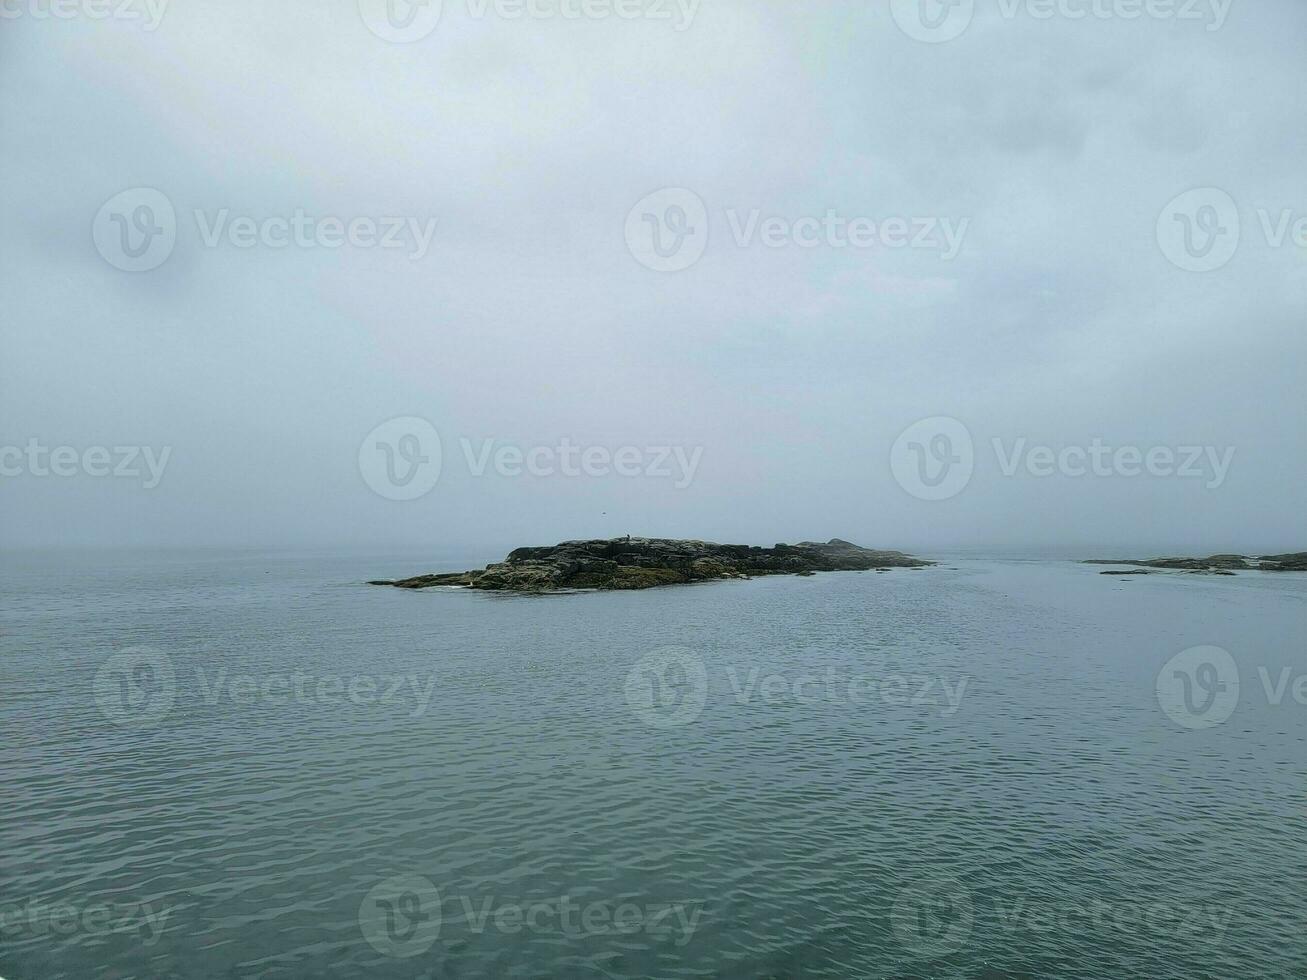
[1214, 565]
[644, 563]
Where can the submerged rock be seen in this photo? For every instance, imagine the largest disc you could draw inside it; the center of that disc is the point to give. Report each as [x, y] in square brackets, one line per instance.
[644, 563]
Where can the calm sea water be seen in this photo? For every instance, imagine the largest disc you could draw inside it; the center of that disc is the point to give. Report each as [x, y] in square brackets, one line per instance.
[224, 765]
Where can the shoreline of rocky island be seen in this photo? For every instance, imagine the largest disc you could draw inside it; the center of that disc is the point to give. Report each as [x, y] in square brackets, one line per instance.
[624, 564]
[1213, 565]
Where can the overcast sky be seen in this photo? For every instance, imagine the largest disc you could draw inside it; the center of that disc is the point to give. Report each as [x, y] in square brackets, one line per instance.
[758, 375]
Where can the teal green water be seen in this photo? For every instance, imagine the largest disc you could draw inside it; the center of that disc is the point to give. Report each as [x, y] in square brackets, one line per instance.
[252, 766]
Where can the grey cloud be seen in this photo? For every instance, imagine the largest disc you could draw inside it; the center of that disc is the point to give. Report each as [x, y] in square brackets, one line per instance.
[528, 320]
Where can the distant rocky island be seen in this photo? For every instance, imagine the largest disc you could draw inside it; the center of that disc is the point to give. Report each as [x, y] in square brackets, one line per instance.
[1214, 565]
[644, 563]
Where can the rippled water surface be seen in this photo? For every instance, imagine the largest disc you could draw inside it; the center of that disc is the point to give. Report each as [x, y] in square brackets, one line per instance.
[252, 766]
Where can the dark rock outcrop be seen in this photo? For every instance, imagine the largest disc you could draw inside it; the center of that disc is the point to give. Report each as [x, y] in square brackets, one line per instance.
[643, 563]
[1216, 564]
[1285, 563]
